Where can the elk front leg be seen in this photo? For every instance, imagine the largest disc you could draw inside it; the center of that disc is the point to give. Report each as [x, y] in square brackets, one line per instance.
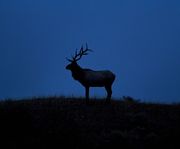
[87, 94]
[109, 93]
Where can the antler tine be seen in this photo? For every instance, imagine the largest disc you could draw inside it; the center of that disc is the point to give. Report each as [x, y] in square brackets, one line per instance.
[76, 54]
[73, 58]
[86, 45]
[76, 58]
[79, 54]
[88, 49]
[69, 59]
[81, 48]
[84, 52]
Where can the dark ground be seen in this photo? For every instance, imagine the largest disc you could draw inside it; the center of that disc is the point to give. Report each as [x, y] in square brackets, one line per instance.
[58, 122]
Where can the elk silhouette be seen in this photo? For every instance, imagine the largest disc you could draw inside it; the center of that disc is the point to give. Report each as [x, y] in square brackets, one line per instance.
[90, 78]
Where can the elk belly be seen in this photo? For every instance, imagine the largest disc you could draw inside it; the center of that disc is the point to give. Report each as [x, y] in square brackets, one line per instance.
[97, 78]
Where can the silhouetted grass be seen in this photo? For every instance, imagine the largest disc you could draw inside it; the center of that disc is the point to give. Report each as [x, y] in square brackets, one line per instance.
[61, 122]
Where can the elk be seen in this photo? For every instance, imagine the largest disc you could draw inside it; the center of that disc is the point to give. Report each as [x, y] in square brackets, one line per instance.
[90, 78]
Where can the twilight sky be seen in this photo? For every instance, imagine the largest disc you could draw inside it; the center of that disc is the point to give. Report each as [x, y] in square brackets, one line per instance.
[138, 40]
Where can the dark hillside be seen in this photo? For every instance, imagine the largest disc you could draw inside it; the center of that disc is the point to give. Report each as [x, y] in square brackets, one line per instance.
[70, 123]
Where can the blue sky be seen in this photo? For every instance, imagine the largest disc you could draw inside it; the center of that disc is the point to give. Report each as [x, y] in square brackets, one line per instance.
[137, 40]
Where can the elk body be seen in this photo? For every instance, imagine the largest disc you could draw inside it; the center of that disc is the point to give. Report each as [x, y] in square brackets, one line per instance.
[90, 78]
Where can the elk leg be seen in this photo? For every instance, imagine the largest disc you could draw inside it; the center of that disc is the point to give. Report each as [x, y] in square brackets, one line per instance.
[87, 93]
[109, 92]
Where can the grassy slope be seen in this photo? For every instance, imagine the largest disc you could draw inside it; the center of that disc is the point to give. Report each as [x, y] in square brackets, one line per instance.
[70, 123]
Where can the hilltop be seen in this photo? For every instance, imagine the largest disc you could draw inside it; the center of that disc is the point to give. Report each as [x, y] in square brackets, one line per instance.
[59, 122]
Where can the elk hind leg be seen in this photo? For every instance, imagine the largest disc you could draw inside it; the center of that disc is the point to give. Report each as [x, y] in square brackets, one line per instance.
[109, 92]
[87, 94]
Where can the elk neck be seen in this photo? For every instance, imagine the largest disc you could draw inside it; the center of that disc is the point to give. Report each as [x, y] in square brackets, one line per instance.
[77, 73]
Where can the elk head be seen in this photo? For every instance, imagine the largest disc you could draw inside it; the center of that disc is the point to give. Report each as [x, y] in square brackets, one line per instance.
[77, 56]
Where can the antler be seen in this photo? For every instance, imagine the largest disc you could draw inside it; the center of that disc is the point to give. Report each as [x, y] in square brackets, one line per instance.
[78, 55]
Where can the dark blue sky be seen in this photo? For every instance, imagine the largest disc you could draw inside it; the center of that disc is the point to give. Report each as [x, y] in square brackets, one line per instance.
[138, 40]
